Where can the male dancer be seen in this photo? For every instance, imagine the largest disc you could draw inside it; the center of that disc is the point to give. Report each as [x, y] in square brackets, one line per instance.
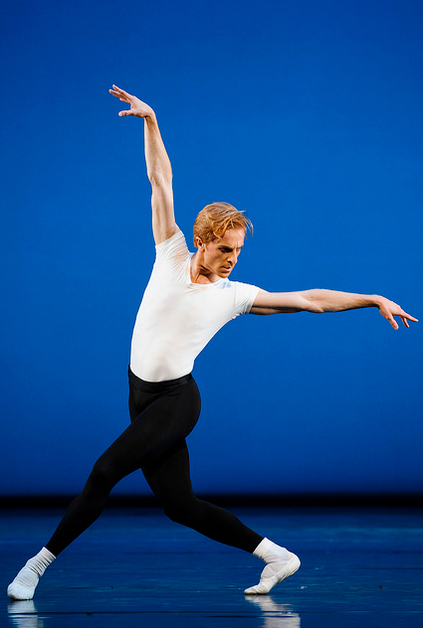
[187, 300]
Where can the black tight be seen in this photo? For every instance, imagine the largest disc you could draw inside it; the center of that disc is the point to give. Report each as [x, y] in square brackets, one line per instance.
[162, 416]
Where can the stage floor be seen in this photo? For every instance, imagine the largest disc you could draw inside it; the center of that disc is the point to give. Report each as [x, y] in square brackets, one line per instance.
[133, 568]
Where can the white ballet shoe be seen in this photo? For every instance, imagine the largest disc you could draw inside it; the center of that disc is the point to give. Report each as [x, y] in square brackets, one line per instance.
[24, 585]
[274, 573]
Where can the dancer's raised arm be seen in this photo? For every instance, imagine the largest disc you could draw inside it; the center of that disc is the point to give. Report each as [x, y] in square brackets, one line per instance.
[159, 170]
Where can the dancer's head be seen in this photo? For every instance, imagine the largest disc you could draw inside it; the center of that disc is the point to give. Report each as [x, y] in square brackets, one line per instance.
[215, 219]
[219, 232]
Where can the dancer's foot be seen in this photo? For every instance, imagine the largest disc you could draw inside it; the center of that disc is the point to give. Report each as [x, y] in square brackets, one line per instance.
[280, 565]
[24, 585]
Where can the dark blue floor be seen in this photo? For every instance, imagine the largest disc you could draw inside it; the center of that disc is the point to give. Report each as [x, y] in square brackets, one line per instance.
[133, 568]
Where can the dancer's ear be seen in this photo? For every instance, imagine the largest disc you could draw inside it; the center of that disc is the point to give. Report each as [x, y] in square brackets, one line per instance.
[199, 243]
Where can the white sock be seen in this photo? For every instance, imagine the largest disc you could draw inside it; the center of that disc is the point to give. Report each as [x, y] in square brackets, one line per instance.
[24, 585]
[280, 564]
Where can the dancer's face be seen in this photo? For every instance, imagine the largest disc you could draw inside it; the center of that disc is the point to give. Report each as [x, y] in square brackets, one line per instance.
[220, 255]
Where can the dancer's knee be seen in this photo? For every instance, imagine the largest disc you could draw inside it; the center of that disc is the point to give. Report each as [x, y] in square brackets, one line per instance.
[182, 511]
[101, 477]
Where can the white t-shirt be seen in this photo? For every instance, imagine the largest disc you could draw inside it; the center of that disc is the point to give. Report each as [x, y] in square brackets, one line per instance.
[177, 318]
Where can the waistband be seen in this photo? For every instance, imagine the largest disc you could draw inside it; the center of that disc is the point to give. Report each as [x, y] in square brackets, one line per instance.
[157, 387]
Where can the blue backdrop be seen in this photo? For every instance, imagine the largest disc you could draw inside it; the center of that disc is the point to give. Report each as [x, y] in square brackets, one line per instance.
[307, 115]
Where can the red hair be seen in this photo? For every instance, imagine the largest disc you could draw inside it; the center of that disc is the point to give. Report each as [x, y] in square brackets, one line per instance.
[215, 219]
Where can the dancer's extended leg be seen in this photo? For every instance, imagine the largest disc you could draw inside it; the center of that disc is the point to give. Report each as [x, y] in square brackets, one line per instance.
[163, 420]
[167, 413]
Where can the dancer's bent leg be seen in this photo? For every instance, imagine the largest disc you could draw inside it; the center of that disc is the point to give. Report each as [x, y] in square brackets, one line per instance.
[169, 478]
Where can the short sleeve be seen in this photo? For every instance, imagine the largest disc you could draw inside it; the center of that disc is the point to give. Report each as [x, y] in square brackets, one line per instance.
[173, 247]
[245, 295]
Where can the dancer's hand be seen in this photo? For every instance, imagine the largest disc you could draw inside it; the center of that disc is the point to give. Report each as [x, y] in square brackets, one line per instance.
[389, 309]
[138, 108]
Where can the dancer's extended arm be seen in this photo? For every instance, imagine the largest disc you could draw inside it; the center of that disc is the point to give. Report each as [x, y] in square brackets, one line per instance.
[159, 170]
[327, 301]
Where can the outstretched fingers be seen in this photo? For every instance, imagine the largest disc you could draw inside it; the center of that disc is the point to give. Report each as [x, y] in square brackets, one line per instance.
[120, 93]
[393, 322]
[137, 108]
[407, 317]
[403, 316]
[389, 310]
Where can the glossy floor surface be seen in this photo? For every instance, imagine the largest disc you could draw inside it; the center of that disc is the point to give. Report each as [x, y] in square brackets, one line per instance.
[134, 568]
